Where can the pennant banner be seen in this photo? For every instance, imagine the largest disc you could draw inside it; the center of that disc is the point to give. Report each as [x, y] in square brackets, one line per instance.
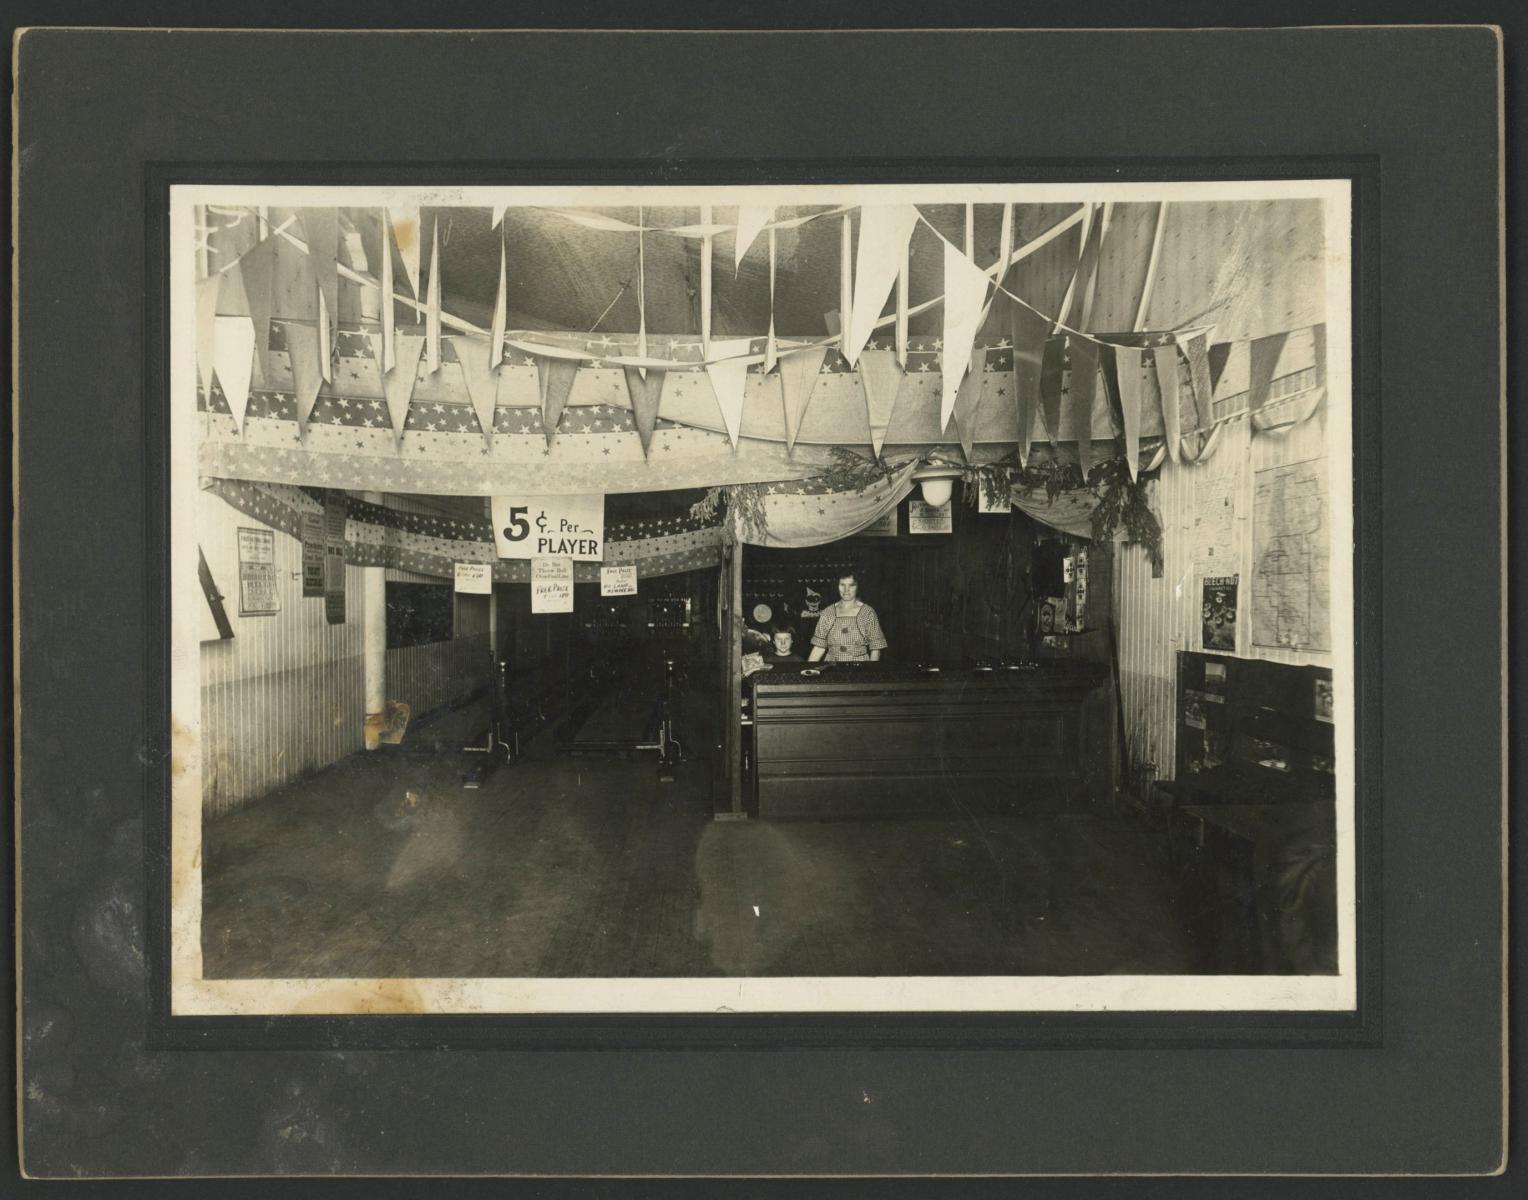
[751, 220]
[482, 381]
[432, 305]
[645, 395]
[235, 360]
[881, 375]
[1052, 374]
[398, 383]
[1083, 390]
[1165, 359]
[845, 280]
[321, 232]
[1029, 331]
[1199, 382]
[965, 291]
[500, 309]
[728, 378]
[408, 235]
[968, 398]
[207, 293]
[256, 274]
[1265, 358]
[554, 379]
[885, 231]
[385, 300]
[302, 349]
[798, 376]
[1127, 372]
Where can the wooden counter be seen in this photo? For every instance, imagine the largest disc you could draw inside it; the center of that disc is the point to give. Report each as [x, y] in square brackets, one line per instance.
[867, 740]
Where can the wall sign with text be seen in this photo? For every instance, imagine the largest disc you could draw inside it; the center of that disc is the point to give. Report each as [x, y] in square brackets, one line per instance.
[571, 527]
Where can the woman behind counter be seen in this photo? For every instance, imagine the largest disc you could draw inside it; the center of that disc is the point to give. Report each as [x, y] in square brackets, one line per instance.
[849, 630]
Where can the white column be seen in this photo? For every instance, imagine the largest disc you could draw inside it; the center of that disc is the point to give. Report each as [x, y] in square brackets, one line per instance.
[374, 642]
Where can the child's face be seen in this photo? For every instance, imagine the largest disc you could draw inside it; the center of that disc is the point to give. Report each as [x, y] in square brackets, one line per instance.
[783, 641]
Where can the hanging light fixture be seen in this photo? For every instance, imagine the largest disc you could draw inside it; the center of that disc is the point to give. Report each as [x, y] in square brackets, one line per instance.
[937, 480]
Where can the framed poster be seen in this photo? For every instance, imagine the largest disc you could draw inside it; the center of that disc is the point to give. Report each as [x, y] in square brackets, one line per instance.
[258, 590]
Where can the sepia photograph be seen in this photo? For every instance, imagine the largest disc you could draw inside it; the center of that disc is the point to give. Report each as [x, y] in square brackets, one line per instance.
[686, 599]
[601, 605]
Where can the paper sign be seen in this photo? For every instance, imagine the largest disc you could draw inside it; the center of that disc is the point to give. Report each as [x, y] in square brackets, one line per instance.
[312, 555]
[257, 573]
[571, 527]
[619, 581]
[336, 509]
[926, 518]
[1218, 630]
[551, 585]
[475, 577]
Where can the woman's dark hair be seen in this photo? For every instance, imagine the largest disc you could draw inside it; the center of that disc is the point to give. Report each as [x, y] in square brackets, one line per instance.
[850, 572]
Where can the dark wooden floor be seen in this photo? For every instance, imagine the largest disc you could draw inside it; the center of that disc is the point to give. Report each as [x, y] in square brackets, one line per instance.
[589, 867]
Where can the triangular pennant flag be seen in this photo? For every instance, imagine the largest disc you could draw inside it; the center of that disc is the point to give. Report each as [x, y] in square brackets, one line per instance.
[325, 340]
[901, 325]
[1127, 374]
[1029, 331]
[1220, 354]
[771, 345]
[729, 378]
[302, 349]
[408, 233]
[705, 287]
[1083, 387]
[398, 383]
[1082, 283]
[751, 219]
[1199, 379]
[645, 395]
[257, 274]
[798, 376]
[965, 293]
[385, 302]
[1318, 348]
[207, 292]
[1052, 375]
[885, 230]
[845, 283]
[554, 379]
[881, 375]
[235, 359]
[968, 399]
[1265, 360]
[322, 228]
[472, 352]
[500, 311]
[498, 215]
[432, 304]
[1166, 359]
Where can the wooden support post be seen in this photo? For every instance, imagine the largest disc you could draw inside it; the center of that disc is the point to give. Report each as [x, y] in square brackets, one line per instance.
[729, 800]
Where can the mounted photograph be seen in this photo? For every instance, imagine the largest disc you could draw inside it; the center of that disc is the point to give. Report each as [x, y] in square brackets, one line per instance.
[830, 598]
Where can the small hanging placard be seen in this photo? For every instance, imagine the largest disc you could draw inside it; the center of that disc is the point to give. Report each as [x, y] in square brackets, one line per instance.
[475, 578]
[927, 518]
[335, 513]
[551, 585]
[257, 573]
[312, 556]
[619, 581]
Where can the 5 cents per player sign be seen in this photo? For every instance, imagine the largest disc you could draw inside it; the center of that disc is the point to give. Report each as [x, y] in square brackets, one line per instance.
[550, 527]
